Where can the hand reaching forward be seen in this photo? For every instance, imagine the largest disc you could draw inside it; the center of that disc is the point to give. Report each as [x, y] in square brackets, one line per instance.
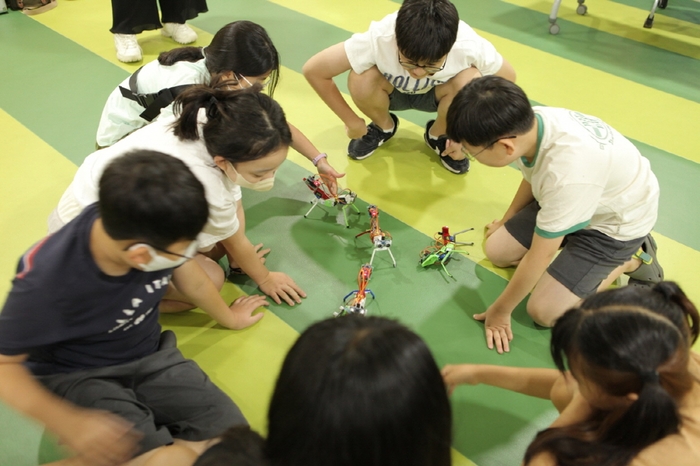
[329, 174]
[100, 438]
[497, 327]
[459, 374]
[280, 287]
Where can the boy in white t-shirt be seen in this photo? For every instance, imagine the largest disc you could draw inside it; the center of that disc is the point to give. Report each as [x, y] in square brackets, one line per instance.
[419, 58]
[586, 189]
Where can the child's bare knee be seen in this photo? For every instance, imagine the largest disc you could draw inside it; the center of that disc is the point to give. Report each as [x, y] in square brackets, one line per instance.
[364, 85]
[494, 253]
[217, 277]
[542, 312]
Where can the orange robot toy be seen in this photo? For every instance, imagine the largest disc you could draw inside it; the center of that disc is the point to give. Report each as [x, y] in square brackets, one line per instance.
[380, 239]
[325, 197]
[355, 302]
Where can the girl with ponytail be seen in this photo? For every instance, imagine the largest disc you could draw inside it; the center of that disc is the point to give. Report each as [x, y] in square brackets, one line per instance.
[665, 299]
[637, 400]
[241, 53]
[228, 138]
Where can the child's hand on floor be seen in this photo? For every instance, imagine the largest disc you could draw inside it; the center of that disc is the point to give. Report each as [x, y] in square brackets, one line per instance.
[243, 309]
[280, 287]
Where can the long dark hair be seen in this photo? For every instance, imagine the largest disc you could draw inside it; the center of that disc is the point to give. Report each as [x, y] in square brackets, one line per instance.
[664, 298]
[358, 391]
[242, 125]
[621, 349]
[242, 47]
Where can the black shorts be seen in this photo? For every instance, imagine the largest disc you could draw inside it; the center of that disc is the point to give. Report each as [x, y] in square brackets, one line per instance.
[587, 257]
[164, 395]
[423, 102]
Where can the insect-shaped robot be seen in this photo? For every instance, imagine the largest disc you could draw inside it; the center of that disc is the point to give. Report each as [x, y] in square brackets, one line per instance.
[441, 252]
[323, 196]
[380, 239]
[355, 301]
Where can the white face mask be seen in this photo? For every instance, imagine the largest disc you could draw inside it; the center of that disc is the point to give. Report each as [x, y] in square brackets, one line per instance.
[262, 185]
[159, 262]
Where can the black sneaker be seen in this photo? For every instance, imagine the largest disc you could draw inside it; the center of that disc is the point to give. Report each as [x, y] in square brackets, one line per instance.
[365, 146]
[438, 145]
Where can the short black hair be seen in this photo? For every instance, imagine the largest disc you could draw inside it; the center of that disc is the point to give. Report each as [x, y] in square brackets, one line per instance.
[152, 197]
[426, 30]
[359, 391]
[489, 108]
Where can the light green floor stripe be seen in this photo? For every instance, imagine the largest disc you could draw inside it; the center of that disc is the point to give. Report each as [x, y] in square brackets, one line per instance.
[669, 33]
[568, 84]
[30, 190]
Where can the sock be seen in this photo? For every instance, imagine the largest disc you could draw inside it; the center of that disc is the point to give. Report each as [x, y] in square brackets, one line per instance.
[434, 138]
[389, 130]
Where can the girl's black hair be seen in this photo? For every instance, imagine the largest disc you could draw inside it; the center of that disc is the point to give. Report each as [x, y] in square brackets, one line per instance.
[241, 125]
[621, 349]
[242, 47]
[358, 391]
[665, 298]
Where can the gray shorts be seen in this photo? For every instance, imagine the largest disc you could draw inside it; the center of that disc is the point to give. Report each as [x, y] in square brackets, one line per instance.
[164, 395]
[587, 256]
[423, 102]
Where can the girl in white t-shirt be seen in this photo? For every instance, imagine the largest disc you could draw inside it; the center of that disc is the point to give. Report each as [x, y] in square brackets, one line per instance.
[240, 52]
[228, 139]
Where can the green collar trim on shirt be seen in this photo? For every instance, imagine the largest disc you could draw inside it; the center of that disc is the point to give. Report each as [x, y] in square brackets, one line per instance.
[568, 231]
[540, 133]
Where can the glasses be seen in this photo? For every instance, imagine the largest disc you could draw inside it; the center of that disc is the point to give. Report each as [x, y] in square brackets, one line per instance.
[472, 157]
[263, 83]
[431, 70]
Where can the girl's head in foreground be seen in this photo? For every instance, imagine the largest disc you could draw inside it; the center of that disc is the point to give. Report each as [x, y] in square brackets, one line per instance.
[244, 131]
[359, 391]
[628, 349]
[241, 52]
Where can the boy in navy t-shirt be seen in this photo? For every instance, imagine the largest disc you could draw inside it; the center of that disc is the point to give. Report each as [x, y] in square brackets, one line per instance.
[81, 348]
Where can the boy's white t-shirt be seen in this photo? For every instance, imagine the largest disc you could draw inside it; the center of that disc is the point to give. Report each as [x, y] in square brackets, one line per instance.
[587, 175]
[222, 194]
[120, 116]
[377, 46]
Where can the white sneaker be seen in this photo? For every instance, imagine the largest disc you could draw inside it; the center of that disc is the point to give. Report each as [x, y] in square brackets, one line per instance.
[181, 33]
[128, 49]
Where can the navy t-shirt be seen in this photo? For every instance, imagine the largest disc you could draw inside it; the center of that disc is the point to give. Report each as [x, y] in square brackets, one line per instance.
[69, 315]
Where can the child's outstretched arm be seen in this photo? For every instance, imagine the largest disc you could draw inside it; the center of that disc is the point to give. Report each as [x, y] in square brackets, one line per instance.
[305, 147]
[529, 271]
[191, 280]
[528, 381]
[319, 71]
[98, 437]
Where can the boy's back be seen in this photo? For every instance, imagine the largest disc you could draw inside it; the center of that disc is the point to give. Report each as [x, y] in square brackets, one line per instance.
[587, 172]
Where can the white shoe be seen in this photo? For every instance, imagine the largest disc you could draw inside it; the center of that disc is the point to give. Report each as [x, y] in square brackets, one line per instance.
[128, 49]
[181, 33]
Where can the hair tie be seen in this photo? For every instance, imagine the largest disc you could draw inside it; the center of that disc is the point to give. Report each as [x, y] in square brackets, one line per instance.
[212, 107]
[650, 376]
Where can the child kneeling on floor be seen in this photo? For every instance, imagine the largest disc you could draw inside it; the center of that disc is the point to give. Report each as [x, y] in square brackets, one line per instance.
[81, 348]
